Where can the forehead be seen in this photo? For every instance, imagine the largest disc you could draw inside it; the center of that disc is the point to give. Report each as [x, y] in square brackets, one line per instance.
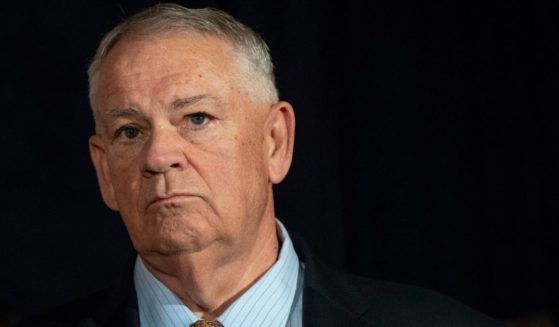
[167, 59]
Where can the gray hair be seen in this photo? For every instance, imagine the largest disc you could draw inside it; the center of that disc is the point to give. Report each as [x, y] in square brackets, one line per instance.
[165, 18]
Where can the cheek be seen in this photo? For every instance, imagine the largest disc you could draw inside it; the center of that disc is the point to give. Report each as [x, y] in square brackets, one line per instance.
[125, 176]
[235, 166]
[253, 155]
[250, 166]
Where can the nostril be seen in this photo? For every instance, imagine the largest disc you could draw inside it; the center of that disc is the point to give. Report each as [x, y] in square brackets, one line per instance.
[152, 171]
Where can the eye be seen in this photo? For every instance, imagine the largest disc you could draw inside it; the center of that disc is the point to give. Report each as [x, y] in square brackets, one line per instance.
[129, 132]
[198, 119]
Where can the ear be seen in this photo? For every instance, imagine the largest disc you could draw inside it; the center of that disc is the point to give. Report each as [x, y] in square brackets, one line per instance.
[99, 158]
[280, 135]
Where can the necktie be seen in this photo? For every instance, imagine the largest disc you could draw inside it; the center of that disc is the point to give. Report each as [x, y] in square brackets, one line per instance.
[206, 323]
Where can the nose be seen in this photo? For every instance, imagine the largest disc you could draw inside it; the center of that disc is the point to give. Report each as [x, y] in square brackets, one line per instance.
[163, 152]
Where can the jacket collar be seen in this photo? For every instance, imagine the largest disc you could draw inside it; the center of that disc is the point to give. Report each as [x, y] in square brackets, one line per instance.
[326, 298]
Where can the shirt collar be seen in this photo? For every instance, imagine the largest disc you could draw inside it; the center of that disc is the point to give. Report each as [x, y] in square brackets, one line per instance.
[266, 303]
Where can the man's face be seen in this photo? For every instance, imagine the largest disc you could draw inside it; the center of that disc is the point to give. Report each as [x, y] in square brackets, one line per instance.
[183, 152]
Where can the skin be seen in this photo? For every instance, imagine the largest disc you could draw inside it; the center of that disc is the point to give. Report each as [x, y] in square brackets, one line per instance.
[188, 155]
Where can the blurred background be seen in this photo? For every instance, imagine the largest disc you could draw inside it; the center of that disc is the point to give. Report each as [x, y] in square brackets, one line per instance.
[426, 149]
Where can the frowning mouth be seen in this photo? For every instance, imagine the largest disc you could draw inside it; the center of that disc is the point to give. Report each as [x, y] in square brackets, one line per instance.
[170, 198]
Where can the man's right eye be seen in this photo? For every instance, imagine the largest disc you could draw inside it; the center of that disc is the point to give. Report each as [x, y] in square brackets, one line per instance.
[129, 132]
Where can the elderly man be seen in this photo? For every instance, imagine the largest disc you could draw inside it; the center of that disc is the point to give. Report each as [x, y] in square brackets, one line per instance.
[190, 138]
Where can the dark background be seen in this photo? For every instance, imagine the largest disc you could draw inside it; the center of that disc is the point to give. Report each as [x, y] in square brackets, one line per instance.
[426, 149]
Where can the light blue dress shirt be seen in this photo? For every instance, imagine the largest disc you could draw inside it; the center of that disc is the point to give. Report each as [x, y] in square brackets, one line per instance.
[276, 299]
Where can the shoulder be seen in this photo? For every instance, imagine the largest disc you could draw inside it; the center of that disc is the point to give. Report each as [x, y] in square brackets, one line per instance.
[110, 307]
[404, 305]
[69, 314]
[370, 302]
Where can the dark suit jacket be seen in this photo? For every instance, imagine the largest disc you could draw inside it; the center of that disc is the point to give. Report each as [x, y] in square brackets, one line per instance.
[329, 299]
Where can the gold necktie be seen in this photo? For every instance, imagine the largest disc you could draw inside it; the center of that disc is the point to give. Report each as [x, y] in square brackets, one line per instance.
[206, 323]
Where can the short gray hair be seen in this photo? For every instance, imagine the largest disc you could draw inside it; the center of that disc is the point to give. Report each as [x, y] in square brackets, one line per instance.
[167, 17]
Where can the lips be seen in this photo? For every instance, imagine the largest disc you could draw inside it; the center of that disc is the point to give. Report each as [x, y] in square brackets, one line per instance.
[169, 198]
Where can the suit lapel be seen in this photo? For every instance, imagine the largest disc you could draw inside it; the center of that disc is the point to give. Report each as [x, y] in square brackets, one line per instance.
[113, 311]
[325, 303]
[320, 311]
[119, 307]
[125, 318]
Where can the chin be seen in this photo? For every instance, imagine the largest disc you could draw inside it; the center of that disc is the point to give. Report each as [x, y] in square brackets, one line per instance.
[171, 245]
[173, 235]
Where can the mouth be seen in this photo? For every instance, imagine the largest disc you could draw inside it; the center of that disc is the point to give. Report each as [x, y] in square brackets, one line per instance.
[170, 198]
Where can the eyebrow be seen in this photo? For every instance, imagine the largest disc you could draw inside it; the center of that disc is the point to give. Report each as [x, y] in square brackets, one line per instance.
[188, 101]
[177, 104]
[123, 112]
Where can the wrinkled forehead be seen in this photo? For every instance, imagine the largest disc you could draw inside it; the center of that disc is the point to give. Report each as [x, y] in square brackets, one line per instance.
[180, 56]
[163, 68]
[172, 65]
[164, 53]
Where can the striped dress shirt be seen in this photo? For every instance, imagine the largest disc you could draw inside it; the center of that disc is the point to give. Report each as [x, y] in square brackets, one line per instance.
[276, 299]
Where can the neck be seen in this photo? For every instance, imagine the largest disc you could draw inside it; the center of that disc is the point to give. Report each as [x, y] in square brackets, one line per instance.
[207, 284]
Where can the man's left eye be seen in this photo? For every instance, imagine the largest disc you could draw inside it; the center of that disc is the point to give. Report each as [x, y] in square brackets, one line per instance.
[198, 119]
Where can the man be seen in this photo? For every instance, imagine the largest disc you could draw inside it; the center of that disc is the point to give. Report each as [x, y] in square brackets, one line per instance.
[190, 138]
